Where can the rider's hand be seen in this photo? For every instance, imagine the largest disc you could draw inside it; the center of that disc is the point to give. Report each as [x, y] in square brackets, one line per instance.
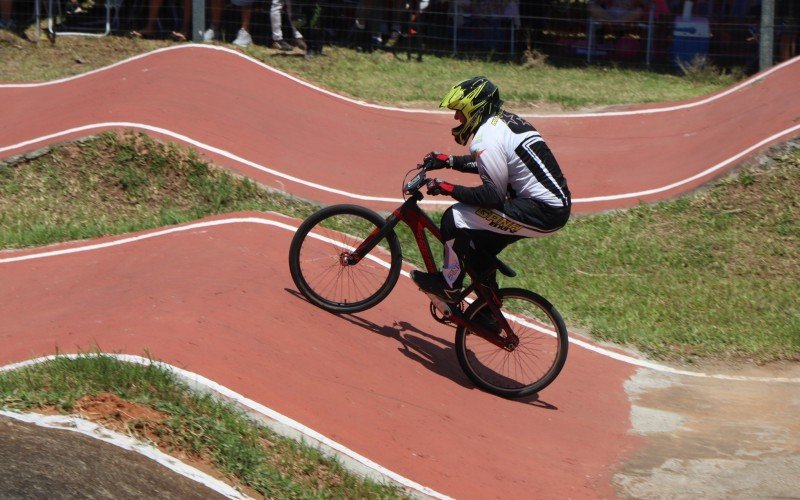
[436, 160]
[438, 186]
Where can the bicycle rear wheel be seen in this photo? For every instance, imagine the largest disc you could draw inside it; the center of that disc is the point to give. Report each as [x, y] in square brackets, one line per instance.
[533, 364]
[320, 266]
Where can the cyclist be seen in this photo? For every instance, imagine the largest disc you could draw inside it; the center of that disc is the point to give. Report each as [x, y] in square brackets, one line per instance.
[523, 194]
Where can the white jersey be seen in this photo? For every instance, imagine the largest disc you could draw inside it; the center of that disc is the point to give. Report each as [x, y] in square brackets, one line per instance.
[512, 155]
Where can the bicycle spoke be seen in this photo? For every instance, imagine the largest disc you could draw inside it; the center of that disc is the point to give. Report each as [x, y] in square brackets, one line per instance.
[323, 259]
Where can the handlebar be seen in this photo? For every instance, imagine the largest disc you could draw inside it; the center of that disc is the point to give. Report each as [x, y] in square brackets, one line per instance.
[417, 182]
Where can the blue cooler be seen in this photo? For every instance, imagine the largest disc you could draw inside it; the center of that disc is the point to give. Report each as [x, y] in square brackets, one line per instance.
[690, 38]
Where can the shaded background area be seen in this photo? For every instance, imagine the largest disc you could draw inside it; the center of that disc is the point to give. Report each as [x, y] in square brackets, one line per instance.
[663, 35]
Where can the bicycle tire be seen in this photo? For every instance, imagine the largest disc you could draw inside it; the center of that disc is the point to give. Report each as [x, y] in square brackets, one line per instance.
[536, 361]
[316, 266]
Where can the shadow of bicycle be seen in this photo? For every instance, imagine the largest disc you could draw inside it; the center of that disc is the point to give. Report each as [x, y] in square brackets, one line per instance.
[434, 353]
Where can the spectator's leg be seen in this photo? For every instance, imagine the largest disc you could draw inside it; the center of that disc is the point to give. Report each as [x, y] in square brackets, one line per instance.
[243, 38]
[186, 27]
[152, 16]
[370, 13]
[216, 14]
[296, 35]
[397, 11]
[247, 14]
[6, 12]
[315, 35]
[275, 20]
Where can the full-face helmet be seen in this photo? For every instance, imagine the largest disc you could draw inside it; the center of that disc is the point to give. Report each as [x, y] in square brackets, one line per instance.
[478, 99]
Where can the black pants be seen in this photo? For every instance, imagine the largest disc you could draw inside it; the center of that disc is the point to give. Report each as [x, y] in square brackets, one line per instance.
[312, 14]
[477, 248]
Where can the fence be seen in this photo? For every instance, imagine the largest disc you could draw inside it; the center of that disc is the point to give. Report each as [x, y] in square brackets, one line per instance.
[661, 35]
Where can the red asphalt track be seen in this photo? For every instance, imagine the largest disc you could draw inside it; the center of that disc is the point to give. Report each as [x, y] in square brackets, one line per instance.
[219, 301]
[219, 98]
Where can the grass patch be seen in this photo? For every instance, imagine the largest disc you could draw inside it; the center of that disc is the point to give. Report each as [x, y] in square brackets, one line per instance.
[164, 411]
[113, 184]
[380, 77]
[22, 61]
[713, 275]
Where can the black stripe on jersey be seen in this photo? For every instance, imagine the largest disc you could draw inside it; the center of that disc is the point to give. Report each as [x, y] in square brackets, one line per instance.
[517, 124]
[543, 166]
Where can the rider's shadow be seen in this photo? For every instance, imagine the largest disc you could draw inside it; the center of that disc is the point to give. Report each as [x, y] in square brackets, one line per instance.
[434, 353]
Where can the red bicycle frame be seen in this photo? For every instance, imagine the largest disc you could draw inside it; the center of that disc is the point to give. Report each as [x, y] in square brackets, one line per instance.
[418, 221]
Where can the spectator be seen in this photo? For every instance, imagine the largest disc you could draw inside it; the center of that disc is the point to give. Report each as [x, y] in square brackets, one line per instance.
[215, 9]
[399, 10]
[151, 31]
[243, 37]
[312, 13]
[616, 11]
[6, 19]
[278, 42]
[482, 28]
[379, 18]
[413, 27]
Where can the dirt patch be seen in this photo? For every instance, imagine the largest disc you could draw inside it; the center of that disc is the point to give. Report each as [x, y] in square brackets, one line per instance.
[115, 413]
[712, 438]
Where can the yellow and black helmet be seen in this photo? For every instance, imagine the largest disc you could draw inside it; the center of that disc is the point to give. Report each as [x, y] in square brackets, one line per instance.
[478, 99]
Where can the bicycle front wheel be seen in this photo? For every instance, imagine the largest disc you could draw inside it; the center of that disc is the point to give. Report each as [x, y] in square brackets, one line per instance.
[533, 364]
[322, 268]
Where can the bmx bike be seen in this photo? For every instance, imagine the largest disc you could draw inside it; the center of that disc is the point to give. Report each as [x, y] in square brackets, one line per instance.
[347, 258]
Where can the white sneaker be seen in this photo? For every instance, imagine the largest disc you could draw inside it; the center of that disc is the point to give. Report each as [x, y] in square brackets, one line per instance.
[243, 38]
[209, 35]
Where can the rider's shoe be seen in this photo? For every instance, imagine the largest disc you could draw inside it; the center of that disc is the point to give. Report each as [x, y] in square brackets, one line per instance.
[434, 283]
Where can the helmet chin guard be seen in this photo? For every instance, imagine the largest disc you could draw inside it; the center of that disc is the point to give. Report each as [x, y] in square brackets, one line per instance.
[478, 99]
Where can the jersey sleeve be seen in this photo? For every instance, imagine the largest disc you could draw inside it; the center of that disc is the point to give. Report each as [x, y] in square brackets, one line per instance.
[466, 164]
[493, 171]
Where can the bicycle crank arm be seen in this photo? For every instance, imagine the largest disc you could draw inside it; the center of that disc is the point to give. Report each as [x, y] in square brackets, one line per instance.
[442, 306]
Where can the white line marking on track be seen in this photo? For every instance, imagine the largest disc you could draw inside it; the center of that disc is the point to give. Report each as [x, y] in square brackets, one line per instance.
[277, 421]
[211, 149]
[142, 126]
[264, 221]
[755, 78]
